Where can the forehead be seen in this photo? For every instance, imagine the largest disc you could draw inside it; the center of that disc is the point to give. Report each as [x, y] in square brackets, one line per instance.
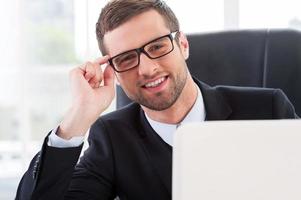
[135, 32]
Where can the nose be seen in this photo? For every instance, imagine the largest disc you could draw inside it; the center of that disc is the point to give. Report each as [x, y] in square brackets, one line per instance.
[147, 66]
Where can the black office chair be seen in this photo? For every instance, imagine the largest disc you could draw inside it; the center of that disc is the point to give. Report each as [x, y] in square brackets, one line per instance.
[257, 58]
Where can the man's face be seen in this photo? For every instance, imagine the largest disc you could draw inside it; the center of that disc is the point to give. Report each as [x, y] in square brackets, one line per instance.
[155, 83]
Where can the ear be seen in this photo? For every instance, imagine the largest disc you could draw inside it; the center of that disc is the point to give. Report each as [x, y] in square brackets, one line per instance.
[184, 45]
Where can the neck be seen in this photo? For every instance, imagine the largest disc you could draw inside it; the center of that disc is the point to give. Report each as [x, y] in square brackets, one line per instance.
[177, 112]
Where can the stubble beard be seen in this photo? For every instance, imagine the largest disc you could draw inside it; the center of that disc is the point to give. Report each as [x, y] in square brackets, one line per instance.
[164, 101]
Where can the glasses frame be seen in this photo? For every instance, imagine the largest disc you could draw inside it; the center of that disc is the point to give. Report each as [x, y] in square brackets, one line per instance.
[140, 50]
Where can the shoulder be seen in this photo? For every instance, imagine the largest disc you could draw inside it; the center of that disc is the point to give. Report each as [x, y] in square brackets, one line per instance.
[237, 93]
[247, 94]
[251, 95]
[119, 121]
[268, 102]
[127, 113]
[237, 90]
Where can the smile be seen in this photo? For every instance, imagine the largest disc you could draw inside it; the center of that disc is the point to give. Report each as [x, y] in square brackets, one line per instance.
[155, 83]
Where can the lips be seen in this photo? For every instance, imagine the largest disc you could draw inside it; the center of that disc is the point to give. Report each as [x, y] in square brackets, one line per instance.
[155, 83]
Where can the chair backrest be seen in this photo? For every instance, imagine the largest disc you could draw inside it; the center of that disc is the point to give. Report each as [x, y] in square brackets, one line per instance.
[257, 58]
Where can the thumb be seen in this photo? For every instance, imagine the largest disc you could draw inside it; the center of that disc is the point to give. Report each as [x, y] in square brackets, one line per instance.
[108, 76]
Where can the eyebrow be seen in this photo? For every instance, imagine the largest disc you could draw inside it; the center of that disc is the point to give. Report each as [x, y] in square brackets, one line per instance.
[141, 45]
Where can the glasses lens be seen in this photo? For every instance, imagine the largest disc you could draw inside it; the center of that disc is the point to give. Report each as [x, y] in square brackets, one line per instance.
[126, 61]
[159, 47]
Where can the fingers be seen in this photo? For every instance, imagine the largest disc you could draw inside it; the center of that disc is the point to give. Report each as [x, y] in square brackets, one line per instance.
[97, 77]
[92, 71]
[102, 60]
[108, 76]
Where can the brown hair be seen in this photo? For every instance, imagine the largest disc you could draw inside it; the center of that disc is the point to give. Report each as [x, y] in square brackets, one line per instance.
[117, 12]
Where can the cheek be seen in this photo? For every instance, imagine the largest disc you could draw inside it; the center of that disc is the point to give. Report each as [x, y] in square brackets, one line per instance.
[177, 59]
[127, 82]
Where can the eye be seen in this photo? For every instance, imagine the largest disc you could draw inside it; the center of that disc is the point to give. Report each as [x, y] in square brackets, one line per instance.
[125, 58]
[155, 47]
[128, 57]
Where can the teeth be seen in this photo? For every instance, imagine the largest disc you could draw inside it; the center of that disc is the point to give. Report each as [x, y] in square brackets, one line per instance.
[155, 83]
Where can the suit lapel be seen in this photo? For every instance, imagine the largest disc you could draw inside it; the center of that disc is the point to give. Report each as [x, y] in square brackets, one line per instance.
[216, 106]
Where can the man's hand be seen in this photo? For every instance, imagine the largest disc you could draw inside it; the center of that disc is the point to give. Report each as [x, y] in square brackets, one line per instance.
[92, 92]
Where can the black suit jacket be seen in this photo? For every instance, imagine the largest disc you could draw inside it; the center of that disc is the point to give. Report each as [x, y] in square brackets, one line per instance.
[126, 157]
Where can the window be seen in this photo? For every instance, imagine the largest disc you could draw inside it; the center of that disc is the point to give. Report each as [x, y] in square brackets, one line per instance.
[270, 14]
[199, 16]
[37, 47]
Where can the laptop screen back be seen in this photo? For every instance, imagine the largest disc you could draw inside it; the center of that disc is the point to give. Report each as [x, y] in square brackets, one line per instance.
[238, 160]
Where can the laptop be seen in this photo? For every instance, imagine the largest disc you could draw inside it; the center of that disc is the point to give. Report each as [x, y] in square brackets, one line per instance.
[238, 160]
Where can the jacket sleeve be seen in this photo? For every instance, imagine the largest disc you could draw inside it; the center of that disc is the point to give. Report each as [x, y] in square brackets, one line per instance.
[49, 173]
[282, 107]
[55, 174]
[94, 176]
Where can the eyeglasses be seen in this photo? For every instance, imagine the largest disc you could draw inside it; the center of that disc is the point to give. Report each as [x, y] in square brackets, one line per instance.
[154, 49]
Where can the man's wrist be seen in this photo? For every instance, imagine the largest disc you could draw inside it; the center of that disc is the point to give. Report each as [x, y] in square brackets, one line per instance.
[55, 141]
[74, 124]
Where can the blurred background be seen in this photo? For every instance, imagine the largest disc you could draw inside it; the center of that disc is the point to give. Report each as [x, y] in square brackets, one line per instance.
[40, 41]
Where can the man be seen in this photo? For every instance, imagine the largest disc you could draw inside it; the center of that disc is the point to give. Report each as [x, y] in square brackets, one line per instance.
[130, 150]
